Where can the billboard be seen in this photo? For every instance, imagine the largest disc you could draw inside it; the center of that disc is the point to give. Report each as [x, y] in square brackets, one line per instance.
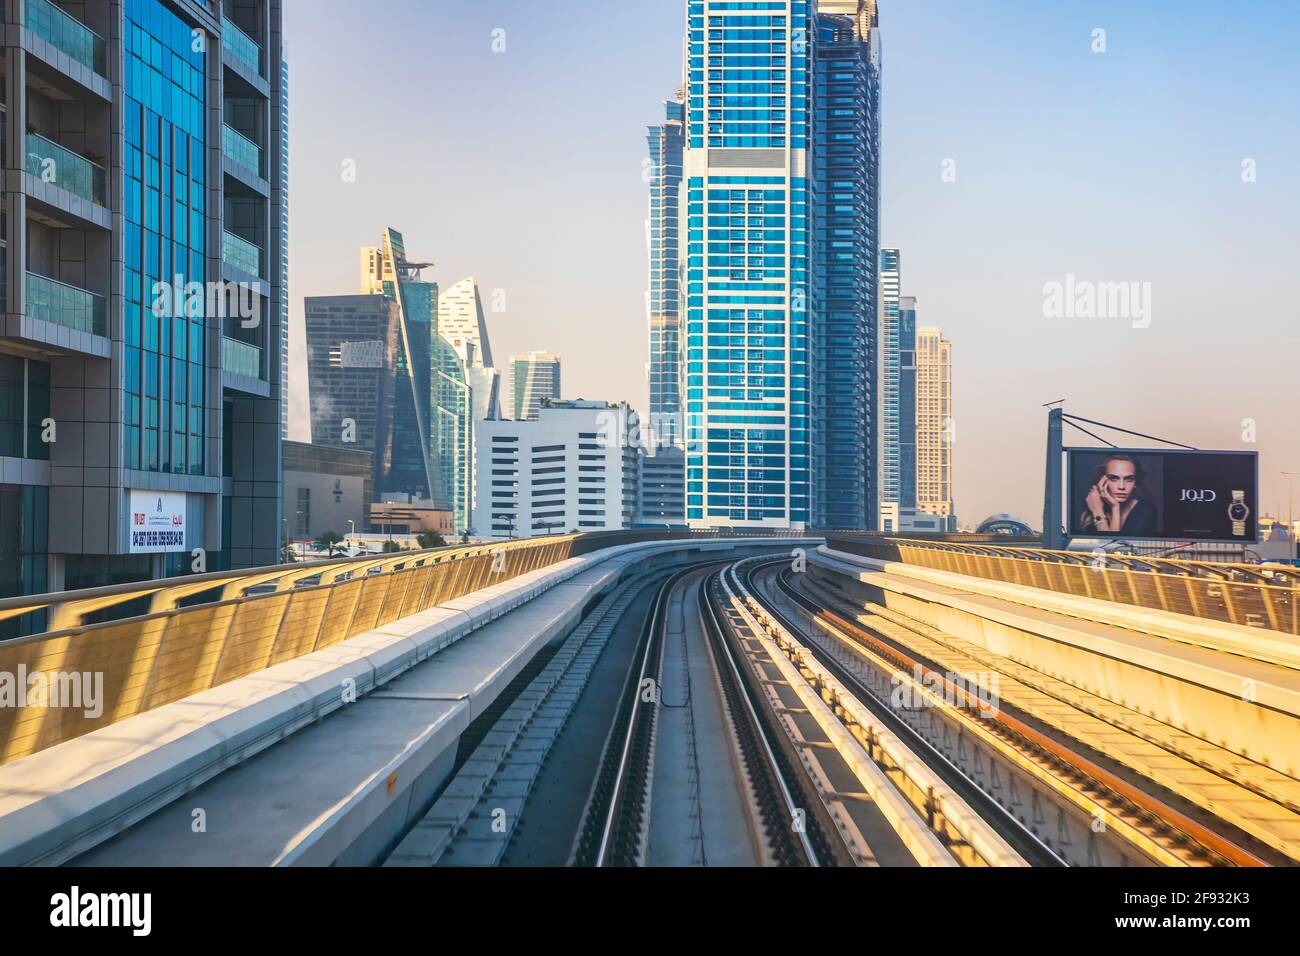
[1153, 493]
[157, 522]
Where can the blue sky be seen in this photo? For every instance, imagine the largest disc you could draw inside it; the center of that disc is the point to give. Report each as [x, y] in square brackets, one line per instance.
[523, 168]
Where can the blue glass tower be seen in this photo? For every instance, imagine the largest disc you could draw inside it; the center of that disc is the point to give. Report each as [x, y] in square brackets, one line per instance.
[846, 127]
[774, 233]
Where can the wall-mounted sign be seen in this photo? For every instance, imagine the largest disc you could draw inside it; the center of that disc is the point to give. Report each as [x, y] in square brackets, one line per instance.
[157, 521]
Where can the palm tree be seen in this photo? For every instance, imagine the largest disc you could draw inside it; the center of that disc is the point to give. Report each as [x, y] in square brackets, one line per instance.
[327, 540]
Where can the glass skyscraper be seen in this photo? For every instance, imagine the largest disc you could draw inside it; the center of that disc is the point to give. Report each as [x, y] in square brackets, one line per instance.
[663, 299]
[775, 227]
[145, 155]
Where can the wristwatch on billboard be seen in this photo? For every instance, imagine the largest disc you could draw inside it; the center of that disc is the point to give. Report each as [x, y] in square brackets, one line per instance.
[1238, 512]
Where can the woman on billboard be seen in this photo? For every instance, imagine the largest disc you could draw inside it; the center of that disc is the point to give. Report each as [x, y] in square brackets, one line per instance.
[1118, 501]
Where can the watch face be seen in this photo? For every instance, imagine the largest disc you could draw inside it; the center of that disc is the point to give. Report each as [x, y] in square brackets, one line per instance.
[1238, 511]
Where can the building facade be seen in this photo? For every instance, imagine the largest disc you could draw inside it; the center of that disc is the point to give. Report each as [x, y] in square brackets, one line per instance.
[534, 379]
[934, 426]
[140, 366]
[663, 488]
[574, 468]
[325, 489]
[777, 228]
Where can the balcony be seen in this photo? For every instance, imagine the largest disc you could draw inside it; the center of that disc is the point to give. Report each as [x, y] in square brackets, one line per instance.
[51, 163]
[66, 305]
[241, 150]
[66, 33]
[240, 358]
[243, 47]
[241, 254]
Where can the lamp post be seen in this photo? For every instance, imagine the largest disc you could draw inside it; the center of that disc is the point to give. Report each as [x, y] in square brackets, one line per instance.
[1290, 514]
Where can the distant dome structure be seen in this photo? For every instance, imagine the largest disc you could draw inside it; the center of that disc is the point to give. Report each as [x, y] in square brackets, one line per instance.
[1005, 524]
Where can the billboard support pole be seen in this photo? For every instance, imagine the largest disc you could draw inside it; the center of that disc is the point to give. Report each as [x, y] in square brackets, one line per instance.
[1053, 534]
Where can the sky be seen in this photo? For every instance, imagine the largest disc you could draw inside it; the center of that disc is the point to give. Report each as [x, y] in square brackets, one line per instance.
[1024, 142]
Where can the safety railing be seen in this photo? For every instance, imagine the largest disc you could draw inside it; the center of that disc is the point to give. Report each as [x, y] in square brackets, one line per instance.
[202, 631]
[1229, 593]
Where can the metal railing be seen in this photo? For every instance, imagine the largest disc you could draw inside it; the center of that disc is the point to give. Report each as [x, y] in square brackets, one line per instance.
[66, 305]
[64, 32]
[241, 358]
[60, 166]
[241, 150]
[1228, 593]
[241, 254]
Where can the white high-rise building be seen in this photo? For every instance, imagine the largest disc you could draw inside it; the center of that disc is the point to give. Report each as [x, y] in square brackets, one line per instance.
[574, 468]
[462, 324]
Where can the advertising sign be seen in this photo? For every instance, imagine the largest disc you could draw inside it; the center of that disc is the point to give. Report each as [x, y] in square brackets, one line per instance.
[157, 522]
[1158, 494]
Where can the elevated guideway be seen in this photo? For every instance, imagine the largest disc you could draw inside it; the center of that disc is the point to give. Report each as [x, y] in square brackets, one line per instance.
[326, 757]
[1208, 709]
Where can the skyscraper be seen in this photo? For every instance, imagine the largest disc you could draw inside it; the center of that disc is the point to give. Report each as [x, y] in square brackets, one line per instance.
[934, 424]
[890, 268]
[413, 469]
[767, 203]
[462, 323]
[907, 401]
[846, 91]
[663, 305]
[533, 378]
[144, 162]
[284, 249]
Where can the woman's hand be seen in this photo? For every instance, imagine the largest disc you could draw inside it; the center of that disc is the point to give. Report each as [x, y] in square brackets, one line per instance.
[1096, 505]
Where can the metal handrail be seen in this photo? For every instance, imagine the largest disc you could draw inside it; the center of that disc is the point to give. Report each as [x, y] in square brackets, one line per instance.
[1202, 589]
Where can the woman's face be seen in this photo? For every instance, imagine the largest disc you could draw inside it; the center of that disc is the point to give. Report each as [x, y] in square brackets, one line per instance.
[1120, 479]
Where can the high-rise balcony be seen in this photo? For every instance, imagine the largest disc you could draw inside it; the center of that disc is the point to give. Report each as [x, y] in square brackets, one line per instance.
[241, 150]
[66, 305]
[64, 32]
[241, 358]
[244, 47]
[52, 163]
[241, 254]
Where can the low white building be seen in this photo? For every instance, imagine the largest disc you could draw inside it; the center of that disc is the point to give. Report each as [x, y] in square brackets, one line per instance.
[572, 469]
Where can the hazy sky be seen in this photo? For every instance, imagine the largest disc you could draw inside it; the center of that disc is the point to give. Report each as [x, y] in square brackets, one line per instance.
[523, 168]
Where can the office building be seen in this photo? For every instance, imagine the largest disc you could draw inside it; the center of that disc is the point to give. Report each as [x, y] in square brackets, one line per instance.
[934, 425]
[846, 94]
[663, 305]
[890, 286]
[325, 489]
[781, 225]
[142, 277]
[534, 379]
[573, 468]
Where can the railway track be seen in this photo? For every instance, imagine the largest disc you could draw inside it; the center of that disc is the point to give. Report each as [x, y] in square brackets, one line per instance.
[879, 640]
[1021, 838]
[615, 830]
